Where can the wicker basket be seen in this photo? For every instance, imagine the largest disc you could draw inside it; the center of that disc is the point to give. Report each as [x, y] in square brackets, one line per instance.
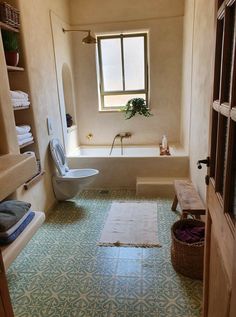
[9, 15]
[187, 258]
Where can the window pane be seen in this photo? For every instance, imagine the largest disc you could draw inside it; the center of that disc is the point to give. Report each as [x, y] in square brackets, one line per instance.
[120, 100]
[134, 63]
[111, 64]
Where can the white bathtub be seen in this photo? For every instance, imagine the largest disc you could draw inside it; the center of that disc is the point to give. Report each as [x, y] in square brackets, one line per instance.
[128, 151]
[121, 171]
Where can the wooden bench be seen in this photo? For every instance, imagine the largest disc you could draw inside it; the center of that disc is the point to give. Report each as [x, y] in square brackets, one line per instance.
[188, 199]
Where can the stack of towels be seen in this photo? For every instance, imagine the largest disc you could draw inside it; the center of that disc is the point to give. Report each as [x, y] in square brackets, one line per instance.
[23, 134]
[19, 99]
[15, 215]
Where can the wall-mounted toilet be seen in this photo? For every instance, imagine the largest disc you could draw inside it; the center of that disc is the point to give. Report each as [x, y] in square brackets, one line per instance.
[67, 183]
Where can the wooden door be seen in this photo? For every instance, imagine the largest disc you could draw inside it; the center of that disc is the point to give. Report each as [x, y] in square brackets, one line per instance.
[5, 301]
[221, 194]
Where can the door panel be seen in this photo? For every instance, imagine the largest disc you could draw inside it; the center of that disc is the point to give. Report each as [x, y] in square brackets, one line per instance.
[224, 236]
[218, 283]
[5, 301]
[221, 193]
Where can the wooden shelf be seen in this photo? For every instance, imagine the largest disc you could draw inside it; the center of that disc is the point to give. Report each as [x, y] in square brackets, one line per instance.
[15, 69]
[7, 27]
[26, 144]
[15, 170]
[33, 180]
[12, 250]
[21, 108]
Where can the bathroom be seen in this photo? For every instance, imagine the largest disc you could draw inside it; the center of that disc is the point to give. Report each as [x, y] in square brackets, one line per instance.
[61, 76]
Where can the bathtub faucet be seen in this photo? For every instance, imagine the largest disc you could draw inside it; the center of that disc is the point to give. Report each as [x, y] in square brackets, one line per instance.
[122, 136]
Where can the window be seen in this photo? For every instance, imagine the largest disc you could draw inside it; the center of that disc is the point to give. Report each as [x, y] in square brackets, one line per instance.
[122, 69]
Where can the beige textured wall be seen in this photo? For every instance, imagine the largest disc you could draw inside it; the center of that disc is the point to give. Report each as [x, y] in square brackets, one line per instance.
[202, 80]
[166, 35]
[188, 28]
[101, 11]
[65, 78]
[43, 86]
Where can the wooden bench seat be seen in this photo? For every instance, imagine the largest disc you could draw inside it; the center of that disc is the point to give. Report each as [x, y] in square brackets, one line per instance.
[188, 199]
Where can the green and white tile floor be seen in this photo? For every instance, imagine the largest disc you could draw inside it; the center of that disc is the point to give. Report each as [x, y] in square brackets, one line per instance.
[62, 272]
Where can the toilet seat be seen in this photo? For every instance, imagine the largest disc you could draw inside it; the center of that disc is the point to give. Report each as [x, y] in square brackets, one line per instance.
[78, 174]
[58, 156]
[67, 183]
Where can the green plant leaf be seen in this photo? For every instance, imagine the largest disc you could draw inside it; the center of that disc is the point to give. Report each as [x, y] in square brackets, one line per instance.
[10, 41]
[136, 106]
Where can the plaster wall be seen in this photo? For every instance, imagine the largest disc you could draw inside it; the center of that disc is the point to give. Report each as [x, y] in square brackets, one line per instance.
[188, 28]
[65, 79]
[202, 83]
[165, 49]
[102, 11]
[40, 63]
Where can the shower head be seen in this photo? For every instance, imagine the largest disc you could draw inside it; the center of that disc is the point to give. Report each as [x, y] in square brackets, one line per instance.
[89, 39]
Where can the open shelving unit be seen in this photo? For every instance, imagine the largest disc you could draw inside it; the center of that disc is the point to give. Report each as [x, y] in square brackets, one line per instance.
[16, 168]
[18, 80]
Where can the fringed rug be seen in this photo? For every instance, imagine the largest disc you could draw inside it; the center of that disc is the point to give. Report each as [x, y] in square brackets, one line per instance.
[131, 224]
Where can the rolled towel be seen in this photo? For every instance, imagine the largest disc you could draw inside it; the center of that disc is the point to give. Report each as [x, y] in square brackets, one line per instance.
[22, 137]
[22, 129]
[18, 94]
[23, 103]
[22, 142]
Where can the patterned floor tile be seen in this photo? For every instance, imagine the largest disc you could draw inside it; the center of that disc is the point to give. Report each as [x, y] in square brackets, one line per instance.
[63, 272]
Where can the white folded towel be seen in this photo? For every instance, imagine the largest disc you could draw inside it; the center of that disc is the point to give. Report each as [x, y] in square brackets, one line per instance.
[22, 129]
[23, 103]
[17, 94]
[22, 137]
[16, 100]
[25, 141]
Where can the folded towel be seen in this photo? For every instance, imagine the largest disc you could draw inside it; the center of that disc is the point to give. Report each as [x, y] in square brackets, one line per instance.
[22, 129]
[22, 142]
[17, 94]
[25, 136]
[19, 230]
[190, 235]
[19, 100]
[11, 212]
[20, 103]
[14, 227]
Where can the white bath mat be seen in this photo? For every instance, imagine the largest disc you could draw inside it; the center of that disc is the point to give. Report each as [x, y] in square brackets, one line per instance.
[131, 224]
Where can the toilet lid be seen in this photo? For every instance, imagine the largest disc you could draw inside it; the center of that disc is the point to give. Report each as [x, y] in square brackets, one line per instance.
[58, 155]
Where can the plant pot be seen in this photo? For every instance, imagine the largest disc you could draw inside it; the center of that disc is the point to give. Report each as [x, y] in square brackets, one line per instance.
[12, 58]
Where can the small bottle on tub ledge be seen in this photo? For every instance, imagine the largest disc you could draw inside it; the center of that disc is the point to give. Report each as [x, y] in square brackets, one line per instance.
[164, 147]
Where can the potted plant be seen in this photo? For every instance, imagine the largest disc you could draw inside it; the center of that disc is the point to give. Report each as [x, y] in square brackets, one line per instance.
[136, 106]
[11, 47]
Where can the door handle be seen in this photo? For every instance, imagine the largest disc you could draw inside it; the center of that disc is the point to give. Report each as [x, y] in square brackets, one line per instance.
[205, 161]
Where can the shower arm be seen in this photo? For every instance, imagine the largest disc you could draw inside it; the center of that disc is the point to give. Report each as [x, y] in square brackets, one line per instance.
[64, 30]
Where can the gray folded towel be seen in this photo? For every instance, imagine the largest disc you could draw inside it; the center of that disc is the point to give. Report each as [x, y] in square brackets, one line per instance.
[11, 212]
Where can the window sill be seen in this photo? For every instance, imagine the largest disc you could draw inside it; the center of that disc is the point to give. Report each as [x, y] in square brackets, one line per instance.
[109, 110]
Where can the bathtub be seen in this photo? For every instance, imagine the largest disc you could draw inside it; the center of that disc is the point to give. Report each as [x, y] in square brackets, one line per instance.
[128, 151]
[121, 171]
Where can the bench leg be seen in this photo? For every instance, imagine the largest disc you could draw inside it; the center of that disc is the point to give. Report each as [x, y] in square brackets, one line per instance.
[184, 215]
[174, 204]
